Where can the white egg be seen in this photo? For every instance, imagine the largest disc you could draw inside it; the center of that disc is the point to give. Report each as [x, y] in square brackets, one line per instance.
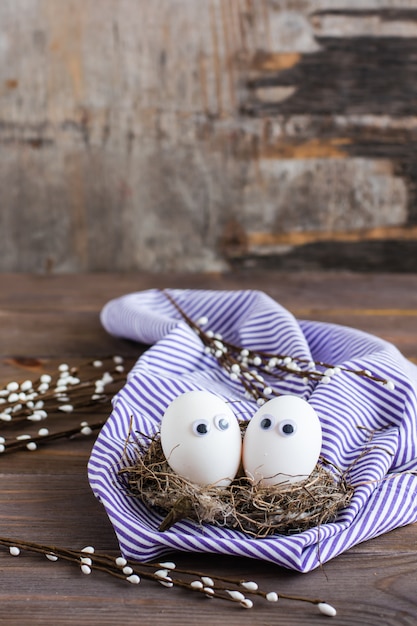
[201, 438]
[282, 441]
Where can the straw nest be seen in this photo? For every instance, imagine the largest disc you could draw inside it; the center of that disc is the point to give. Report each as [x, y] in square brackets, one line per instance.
[252, 508]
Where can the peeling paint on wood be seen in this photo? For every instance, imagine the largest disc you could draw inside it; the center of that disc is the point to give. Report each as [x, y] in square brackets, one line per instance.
[301, 238]
[274, 61]
[194, 136]
[310, 149]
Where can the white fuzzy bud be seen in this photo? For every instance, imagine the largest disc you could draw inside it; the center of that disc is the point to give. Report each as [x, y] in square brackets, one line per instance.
[196, 584]
[134, 579]
[208, 591]
[167, 565]
[236, 595]
[66, 408]
[272, 596]
[246, 603]
[35, 417]
[61, 388]
[106, 378]
[250, 585]
[293, 366]
[327, 609]
[167, 582]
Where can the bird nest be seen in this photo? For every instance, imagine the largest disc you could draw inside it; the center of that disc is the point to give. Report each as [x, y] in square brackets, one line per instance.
[256, 509]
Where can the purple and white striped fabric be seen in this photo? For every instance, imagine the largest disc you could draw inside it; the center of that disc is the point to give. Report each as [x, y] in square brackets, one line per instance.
[381, 465]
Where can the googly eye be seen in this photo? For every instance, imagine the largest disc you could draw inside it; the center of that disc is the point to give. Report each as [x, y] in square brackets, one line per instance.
[201, 428]
[287, 428]
[221, 422]
[267, 422]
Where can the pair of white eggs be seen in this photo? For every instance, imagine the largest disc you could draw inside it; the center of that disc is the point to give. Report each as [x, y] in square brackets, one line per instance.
[201, 440]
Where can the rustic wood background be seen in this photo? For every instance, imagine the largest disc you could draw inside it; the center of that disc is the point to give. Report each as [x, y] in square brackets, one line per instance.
[204, 135]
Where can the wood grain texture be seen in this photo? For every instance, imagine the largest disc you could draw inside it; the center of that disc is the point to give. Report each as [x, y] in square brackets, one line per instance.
[133, 133]
[45, 495]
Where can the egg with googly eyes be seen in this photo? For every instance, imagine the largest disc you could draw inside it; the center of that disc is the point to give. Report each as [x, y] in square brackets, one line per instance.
[282, 442]
[201, 439]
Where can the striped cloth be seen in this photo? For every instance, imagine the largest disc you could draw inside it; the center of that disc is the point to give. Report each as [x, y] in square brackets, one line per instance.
[381, 453]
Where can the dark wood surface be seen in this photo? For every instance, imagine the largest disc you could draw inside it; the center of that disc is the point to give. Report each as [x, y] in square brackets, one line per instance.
[45, 496]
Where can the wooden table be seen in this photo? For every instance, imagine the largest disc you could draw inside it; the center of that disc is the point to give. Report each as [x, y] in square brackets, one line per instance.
[45, 496]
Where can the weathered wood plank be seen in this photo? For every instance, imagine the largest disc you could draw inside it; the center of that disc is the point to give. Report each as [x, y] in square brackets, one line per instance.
[370, 302]
[28, 293]
[134, 133]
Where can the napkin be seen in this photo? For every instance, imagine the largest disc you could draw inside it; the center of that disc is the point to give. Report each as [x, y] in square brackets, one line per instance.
[369, 428]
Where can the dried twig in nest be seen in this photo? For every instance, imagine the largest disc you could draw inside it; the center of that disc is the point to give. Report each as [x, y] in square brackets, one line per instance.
[255, 509]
